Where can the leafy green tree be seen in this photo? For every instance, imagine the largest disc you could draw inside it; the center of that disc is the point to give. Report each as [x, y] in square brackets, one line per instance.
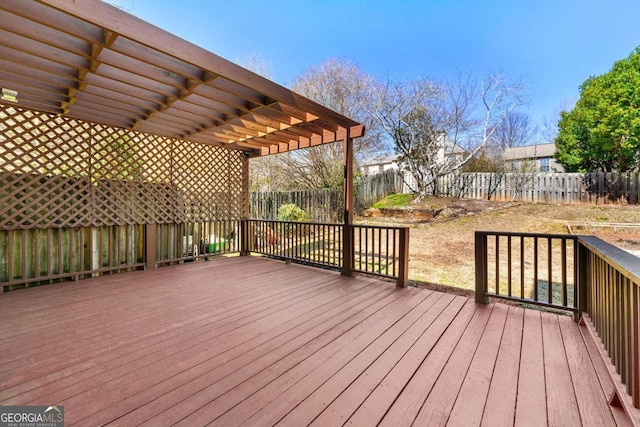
[602, 132]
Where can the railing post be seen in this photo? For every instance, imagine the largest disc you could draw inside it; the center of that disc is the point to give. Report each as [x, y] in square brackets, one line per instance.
[150, 237]
[481, 268]
[347, 250]
[244, 237]
[635, 343]
[582, 279]
[403, 258]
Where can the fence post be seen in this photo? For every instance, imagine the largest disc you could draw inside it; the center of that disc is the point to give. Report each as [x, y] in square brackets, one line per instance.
[403, 258]
[481, 267]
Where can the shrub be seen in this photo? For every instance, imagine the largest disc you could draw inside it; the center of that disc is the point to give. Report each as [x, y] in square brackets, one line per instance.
[291, 212]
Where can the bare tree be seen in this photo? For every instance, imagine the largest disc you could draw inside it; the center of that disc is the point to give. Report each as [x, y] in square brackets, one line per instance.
[265, 173]
[121, 4]
[256, 63]
[342, 86]
[437, 127]
[514, 131]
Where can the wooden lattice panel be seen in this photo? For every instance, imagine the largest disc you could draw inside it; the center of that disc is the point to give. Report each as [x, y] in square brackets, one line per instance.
[56, 172]
[209, 181]
[44, 171]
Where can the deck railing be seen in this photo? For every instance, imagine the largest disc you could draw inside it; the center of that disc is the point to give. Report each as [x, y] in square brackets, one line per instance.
[538, 269]
[38, 256]
[317, 244]
[381, 250]
[581, 274]
[378, 250]
[610, 281]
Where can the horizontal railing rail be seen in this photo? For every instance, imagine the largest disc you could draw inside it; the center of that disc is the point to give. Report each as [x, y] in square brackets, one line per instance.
[538, 269]
[581, 274]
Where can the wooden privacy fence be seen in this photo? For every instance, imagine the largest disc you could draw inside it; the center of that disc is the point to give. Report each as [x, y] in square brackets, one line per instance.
[381, 251]
[326, 204]
[595, 280]
[592, 187]
[323, 204]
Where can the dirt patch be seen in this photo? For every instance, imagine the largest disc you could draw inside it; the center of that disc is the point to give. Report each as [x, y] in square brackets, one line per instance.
[408, 214]
[434, 208]
[442, 249]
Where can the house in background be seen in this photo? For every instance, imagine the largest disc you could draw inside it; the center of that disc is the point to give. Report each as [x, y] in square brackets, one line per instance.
[380, 164]
[533, 158]
[452, 152]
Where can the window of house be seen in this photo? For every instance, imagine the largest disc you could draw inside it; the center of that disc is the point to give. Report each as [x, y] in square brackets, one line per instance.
[544, 164]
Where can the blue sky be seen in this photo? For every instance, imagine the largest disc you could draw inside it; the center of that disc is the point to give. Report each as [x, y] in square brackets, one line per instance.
[553, 45]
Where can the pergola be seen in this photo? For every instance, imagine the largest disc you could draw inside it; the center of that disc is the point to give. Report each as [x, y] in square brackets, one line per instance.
[109, 121]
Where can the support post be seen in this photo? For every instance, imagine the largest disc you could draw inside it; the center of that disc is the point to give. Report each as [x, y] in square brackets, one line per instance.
[481, 268]
[244, 237]
[151, 238]
[244, 222]
[403, 258]
[347, 230]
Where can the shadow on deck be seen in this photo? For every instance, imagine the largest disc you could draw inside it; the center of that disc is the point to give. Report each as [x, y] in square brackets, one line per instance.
[247, 340]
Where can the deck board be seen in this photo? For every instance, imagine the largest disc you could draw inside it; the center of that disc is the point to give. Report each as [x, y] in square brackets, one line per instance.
[500, 407]
[562, 406]
[252, 341]
[531, 403]
[470, 402]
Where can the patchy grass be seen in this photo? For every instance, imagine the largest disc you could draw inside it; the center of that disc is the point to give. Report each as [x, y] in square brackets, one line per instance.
[394, 201]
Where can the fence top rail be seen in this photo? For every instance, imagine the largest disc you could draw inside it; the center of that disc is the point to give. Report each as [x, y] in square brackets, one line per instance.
[535, 235]
[623, 261]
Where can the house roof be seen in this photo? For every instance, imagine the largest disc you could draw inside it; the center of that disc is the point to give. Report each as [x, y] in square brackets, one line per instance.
[91, 61]
[382, 160]
[530, 152]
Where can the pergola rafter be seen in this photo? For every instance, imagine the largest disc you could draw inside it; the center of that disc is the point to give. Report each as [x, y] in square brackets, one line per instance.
[91, 61]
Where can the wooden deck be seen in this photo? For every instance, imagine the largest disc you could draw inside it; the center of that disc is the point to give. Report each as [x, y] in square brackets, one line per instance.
[252, 341]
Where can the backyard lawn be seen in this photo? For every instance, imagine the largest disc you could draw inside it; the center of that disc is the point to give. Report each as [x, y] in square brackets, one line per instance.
[442, 249]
